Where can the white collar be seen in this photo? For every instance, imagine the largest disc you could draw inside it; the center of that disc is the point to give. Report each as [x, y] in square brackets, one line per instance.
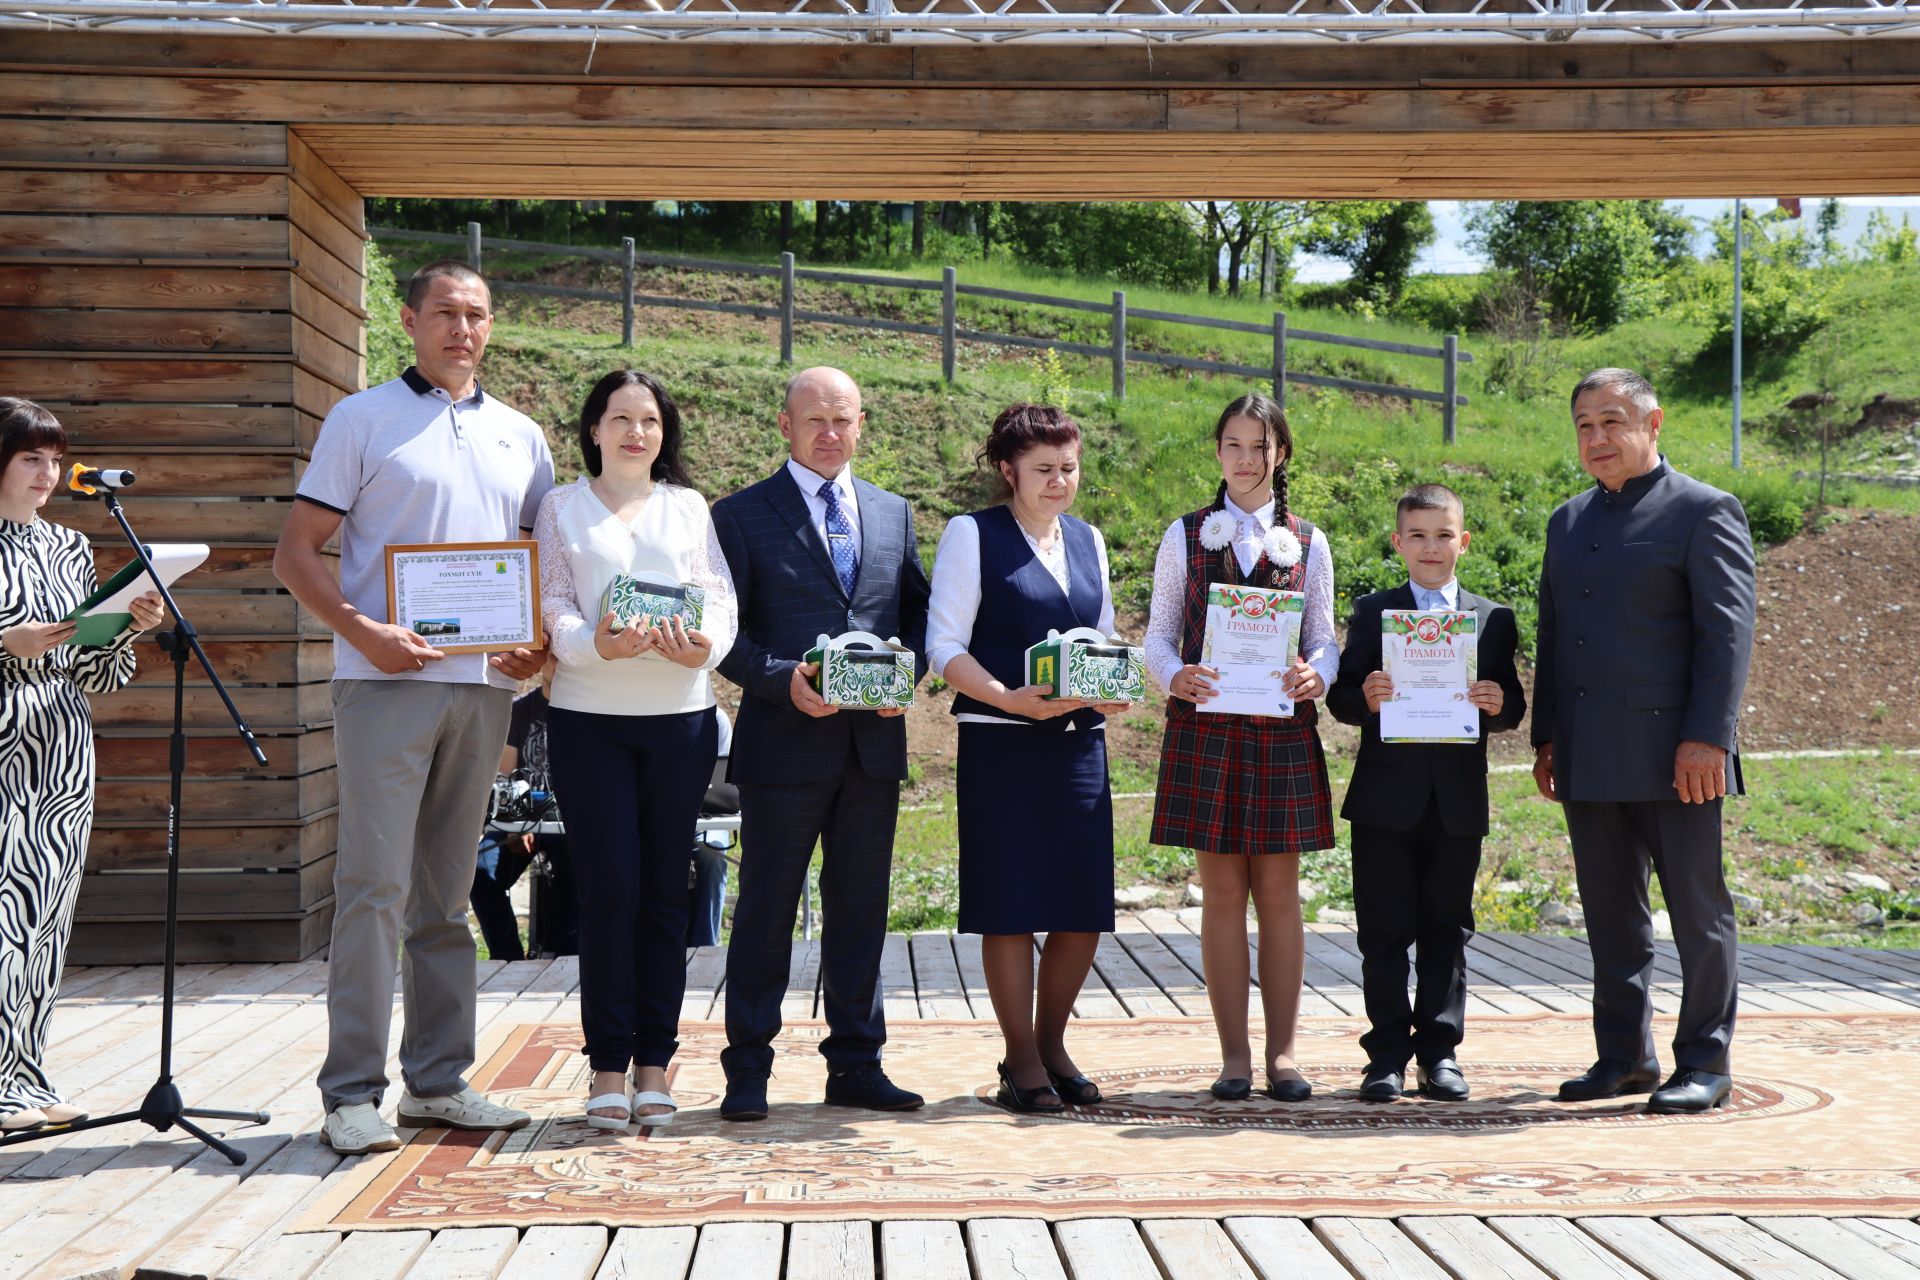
[1448, 591]
[1264, 516]
[810, 480]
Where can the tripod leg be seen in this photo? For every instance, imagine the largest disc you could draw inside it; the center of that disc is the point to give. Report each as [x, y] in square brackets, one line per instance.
[232, 1155]
[205, 1113]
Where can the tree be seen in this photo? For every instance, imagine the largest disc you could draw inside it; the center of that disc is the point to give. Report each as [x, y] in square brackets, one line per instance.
[1380, 248]
[1593, 262]
[919, 228]
[1826, 231]
[1673, 231]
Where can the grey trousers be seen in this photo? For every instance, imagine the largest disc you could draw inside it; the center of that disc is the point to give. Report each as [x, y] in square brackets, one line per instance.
[416, 759]
[1614, 846]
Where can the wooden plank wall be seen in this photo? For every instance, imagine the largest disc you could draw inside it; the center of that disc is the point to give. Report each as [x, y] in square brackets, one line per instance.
[187, 297]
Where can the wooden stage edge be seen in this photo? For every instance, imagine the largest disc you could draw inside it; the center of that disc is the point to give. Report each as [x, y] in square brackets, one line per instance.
[107, 1204]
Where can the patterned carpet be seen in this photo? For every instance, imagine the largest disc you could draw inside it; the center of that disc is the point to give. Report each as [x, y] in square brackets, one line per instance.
[1808, 1131]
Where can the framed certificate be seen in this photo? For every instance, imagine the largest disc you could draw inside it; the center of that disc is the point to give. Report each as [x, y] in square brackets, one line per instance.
[467, 597]
[1252, 638]
[1432, 656]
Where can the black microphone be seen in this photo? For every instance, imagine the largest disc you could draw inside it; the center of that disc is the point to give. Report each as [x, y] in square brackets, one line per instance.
[88, 480]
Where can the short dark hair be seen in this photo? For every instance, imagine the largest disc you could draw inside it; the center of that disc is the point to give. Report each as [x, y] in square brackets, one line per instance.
[1429, 497]
[421, 281]
[25, 425]
[1634, 385]
[1265, 410]
[1021, 427]
[666, 464]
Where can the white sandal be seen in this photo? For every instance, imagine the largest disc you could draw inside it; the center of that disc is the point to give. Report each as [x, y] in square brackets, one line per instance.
[653, 1098]
[604, 1102]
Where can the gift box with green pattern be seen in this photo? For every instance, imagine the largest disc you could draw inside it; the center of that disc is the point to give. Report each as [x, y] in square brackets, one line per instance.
[861, 670]
[1084, 664]
[628, 597]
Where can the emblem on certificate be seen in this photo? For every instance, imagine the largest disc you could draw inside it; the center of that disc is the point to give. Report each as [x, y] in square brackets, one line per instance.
[1432, 656]
[467, 597]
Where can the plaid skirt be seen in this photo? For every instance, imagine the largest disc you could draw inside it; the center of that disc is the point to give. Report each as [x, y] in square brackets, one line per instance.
[1241, 784]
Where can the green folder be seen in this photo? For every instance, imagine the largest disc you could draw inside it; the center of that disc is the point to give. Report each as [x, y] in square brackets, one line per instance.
[100, 629]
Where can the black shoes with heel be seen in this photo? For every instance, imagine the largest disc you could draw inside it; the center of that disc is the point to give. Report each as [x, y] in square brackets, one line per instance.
[1034, 1100]
[1609, 1078]
[1075, 1089]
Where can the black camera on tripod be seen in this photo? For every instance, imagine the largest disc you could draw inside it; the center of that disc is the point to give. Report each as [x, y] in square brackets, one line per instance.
[516, 799]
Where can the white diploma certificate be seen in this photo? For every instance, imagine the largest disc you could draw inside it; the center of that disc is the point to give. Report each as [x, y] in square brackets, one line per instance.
[1431, 656]
[1252, 639]
[467, 597]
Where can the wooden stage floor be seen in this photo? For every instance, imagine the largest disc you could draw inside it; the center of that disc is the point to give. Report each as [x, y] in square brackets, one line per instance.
[109, 1204]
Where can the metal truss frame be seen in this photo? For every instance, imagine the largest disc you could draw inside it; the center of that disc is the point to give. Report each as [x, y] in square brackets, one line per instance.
[969, 21]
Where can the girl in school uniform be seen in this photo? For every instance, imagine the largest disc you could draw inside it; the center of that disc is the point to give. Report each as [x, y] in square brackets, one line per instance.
[1036, 812]
[1248, 794]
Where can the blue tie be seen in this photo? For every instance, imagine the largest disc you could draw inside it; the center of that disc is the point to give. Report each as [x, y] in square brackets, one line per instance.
[846, 556]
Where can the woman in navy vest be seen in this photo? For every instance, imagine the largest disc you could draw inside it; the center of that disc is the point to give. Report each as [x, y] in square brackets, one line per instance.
[1036, 813]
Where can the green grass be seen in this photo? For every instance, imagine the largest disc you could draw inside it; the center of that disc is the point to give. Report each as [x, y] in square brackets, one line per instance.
[1797, 813]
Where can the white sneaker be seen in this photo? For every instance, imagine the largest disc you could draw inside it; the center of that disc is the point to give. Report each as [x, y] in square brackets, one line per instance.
[355, 1129]
[467, 1109]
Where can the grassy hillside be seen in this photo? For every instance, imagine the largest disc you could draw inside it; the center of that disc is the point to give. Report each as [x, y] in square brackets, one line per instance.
[1149, 457]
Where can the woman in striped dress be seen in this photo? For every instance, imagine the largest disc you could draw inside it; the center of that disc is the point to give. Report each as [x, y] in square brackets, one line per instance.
[46, 751]
[1248, 793]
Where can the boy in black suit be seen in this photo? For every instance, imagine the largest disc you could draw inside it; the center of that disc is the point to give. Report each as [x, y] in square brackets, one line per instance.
[1419, 812]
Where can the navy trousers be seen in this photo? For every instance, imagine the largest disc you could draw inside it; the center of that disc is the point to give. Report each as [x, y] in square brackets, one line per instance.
[1614, 845]
[630, 787]
[1413, 889]
[852, 818]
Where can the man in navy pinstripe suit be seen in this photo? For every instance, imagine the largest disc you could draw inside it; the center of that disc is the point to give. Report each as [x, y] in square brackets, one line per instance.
[815, 551]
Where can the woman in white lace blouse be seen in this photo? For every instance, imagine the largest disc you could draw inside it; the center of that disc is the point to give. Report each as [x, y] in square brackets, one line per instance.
[632, 736]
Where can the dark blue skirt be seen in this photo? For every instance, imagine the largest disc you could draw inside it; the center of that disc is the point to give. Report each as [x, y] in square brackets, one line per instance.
[1036, 830]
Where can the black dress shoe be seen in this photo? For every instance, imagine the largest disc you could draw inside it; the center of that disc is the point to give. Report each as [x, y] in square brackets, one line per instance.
[1235, 1089]
[867, 1086]
[1076, 1088]
[746, 1097]
[1690, 1092]
[1292, 1089]
[1609, 1078]
[1442, 1081]
[1041, 1099]
[1382, 1083]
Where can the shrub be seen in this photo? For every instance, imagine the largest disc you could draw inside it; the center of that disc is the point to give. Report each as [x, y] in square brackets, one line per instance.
[1445, 304]
[1774, 510]
[389, 350]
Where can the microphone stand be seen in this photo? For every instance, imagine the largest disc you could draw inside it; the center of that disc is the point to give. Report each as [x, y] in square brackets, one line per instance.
[163, 1107]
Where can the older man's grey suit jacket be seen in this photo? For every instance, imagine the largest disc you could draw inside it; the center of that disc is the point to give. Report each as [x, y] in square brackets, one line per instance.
[1647, 602]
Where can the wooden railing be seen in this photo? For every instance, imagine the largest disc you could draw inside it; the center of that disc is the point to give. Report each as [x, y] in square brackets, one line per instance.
[949, 330]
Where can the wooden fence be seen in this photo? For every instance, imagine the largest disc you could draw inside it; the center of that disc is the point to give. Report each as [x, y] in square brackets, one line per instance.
[949, 330]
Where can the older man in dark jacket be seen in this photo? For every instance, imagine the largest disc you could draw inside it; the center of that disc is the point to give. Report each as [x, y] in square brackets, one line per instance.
[1646, 625]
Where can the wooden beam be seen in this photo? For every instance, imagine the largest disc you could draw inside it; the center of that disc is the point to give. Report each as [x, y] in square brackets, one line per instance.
[142, 191]
[781, 109]
[184, 287]
[409, 160]
[1809, 57]
[103, 143]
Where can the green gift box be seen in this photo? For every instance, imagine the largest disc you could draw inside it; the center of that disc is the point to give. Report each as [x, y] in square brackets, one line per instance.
[654, 596]
[1084, 664]
[859, 669]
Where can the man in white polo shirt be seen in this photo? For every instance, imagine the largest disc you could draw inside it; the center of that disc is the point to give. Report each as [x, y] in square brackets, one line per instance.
[427, 457]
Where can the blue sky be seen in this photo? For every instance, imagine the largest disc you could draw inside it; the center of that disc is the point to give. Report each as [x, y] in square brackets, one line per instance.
[1450, 253]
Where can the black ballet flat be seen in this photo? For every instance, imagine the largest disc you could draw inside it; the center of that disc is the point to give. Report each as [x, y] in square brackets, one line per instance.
[1014, 1098]
[1075, 1089]
[1294, 1090]
[1236, 1089]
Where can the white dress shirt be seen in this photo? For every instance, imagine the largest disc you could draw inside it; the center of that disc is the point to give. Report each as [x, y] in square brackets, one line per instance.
[1167, 614]
[1249, 533]
[1444, 596]
[955, 598]
[810, 482]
